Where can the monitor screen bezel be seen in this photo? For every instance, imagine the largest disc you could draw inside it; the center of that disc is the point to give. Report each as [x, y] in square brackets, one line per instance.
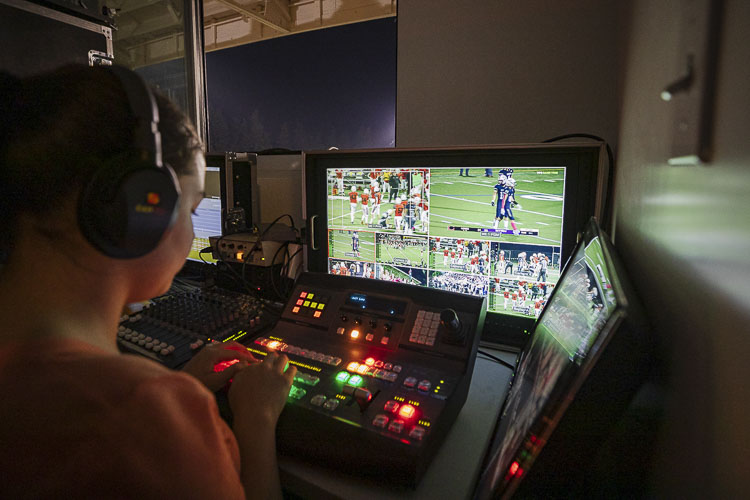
[585, 196]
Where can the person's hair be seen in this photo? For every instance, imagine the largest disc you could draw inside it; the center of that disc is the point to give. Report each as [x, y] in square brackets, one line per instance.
[58, 128]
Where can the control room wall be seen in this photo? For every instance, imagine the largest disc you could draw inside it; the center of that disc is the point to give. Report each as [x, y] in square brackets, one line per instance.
[684, 233]
[497, 72]
[479, 72]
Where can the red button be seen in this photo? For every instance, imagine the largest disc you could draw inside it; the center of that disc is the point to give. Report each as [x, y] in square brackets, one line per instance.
[391, 406]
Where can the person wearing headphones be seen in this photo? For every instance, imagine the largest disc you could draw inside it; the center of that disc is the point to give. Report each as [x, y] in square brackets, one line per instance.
[98, 178]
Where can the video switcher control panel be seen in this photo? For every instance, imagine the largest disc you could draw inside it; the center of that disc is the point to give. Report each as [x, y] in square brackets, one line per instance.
[383, 371]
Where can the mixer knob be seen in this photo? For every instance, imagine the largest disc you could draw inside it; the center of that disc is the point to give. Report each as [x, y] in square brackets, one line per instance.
[387, 327]
[357, 320]
[373, 323]
[454, 333]
[343, 317]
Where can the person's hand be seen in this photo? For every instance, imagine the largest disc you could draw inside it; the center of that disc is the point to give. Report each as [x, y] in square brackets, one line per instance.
[492, 203]
[202, 365]
[502, 211]
[259, 391]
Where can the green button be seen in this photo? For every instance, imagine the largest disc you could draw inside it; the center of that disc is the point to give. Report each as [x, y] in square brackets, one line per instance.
[342, 377]
[297, 393]
[304, 378]
[356, 380]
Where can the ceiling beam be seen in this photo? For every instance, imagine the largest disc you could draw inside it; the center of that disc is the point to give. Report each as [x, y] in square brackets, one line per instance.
[253, 15]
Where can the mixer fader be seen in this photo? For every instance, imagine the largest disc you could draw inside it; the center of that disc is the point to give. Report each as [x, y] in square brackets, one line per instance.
[383, 370]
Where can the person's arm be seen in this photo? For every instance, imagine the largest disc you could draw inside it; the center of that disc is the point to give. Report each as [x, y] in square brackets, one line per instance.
[257, 396]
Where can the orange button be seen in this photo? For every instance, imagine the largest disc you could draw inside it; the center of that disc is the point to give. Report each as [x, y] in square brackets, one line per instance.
[317, 314]
[295, 310]
[406, 411]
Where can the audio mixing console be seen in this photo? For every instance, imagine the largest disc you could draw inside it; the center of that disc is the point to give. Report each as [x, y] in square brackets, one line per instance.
[383, 370]
[173, 328]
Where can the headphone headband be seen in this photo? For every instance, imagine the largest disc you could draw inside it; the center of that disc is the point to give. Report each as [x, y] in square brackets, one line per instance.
[146, 136]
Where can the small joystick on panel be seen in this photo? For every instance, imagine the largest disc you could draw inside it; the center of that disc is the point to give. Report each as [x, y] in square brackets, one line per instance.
[453, 332]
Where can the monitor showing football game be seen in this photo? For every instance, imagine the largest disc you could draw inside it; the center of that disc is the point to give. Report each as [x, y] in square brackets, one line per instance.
[497, 222]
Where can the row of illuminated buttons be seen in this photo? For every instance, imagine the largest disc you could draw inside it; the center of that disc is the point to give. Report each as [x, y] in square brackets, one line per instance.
[423, 385]
[397, 426]
[312, 305]
[329, 404]
[356, 334]
[406, 411]
[147, 342]
[321, 400]
[316, 314]
[371, 371]
[298, 351]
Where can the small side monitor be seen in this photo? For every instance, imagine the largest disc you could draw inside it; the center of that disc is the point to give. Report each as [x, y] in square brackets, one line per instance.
[207, 217]
[587, 358]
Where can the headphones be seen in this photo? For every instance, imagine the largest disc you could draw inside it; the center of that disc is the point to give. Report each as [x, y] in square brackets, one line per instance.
[131, 201]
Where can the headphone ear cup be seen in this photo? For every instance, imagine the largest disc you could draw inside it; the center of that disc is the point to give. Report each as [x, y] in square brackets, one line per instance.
[125, 211]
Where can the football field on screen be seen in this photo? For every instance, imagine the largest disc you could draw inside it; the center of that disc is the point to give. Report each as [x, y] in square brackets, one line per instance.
[340, 243]
[465, 202]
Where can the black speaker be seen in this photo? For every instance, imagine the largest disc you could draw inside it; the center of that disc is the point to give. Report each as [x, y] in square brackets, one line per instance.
[130, 202]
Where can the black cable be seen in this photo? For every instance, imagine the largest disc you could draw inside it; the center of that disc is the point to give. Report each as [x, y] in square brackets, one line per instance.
[259, 240]
[273, 276]
[200, 254]
[496, 359]
[610, 179]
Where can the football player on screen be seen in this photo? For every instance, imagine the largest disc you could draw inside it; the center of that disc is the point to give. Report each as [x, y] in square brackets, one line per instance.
[503, 194]
[365, 197]
[398, 214]
[352, 202]
[355, 243]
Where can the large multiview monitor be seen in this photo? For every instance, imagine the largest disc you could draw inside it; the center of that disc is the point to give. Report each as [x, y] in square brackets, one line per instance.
[587, 356]
[495, 221]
